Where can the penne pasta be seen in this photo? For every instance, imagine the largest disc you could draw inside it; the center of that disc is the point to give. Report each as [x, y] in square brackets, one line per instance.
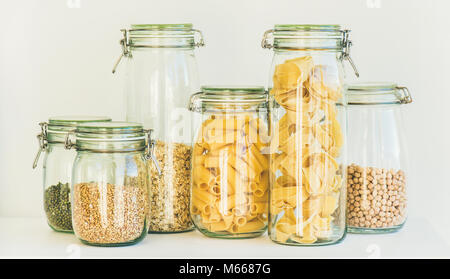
[258, 208]
[252, 226]
[230, 175]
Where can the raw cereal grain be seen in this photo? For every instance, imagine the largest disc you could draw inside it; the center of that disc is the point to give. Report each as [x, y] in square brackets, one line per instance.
[170, 191]
[109, 214]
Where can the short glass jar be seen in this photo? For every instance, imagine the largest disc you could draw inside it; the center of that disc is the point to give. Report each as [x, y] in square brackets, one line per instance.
[377, 156]
[308, 130]
[110, 183]
[230, 164]
[58, 168]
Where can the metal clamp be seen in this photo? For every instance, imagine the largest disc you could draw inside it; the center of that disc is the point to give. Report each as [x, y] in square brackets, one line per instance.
[264, 42]
[68, 144]
[43, 142]
[405, 96]
[347, 43]
[193, 101]
[201, 42]
[150, 152]
[124, 43]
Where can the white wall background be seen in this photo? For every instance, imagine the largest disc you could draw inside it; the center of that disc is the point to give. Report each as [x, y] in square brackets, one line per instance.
[56, 58]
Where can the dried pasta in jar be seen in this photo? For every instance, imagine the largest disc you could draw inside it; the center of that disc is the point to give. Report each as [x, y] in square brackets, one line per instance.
[230, 162]
[306, 172]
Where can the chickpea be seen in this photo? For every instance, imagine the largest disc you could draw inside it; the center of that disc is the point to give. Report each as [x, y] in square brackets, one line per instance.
[376, 197]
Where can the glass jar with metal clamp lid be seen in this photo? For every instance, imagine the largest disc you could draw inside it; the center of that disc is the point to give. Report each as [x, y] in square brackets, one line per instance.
[377, 156]
[58, 168]
[308, 130]
[110, 182]
[230, 164]
[161, 74]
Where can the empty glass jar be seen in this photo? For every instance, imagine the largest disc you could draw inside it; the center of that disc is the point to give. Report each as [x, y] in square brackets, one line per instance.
[57, 168]
[308, 130]
[376, 180]
[161, 76]
[110, 183]
[230, 164]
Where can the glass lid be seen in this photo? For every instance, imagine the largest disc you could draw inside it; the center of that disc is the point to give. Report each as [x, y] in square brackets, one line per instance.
[74, 120]
[308, 27]
[310, 31]
[138, 32]
[141, 36]
[377, 93]
[114, 127]
[329, 37]
[59, 126]
[116, 136]
[168, 27]
[221, 97]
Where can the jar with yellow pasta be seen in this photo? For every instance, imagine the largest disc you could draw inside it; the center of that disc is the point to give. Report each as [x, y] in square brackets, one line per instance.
[230, 161]
[308, 134]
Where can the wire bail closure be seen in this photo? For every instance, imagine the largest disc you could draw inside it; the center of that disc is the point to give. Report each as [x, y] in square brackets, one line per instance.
[264, 42]
[125, 44]
[405, 96]
[150, 152]
[346, 43]
[68, 144]
[43, 142]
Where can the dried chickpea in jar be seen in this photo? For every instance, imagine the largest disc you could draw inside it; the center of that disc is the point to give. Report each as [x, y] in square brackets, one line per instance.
[376, 199]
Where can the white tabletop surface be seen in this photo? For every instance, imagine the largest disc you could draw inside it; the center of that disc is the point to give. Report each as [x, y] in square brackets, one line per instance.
[32, 238]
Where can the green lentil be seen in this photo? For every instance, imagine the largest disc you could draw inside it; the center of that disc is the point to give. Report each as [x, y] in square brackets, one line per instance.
[57, 207]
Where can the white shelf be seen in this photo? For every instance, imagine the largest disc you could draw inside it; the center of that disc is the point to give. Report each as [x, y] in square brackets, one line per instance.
[32, 238]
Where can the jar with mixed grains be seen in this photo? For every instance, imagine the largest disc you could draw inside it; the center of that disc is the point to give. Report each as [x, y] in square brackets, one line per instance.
[376, 174]
[161, 76]
[110, 183]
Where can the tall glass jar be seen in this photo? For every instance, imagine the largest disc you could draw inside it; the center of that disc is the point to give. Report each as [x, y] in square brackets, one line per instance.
[230, 164]
[110, 183]
[161, 76]
[376, 180]
[58, 168]
[308, 146]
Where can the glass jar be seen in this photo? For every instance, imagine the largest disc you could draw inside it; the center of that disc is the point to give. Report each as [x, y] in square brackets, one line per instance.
[110, 183]
[308, 146]
[58, 168]
[230, 164]
[376, 180]
[161, 76]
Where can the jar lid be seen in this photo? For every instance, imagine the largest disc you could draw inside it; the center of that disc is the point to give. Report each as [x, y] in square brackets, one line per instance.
[377, 93]
[229, 98]
[307, 36]
[164, 36]
[161, 36]
[110, 137]
[59, 126]
[161, 27]
[110, 131]
[113, 127]
[311, 37]
[74, 120]
[307, 28]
